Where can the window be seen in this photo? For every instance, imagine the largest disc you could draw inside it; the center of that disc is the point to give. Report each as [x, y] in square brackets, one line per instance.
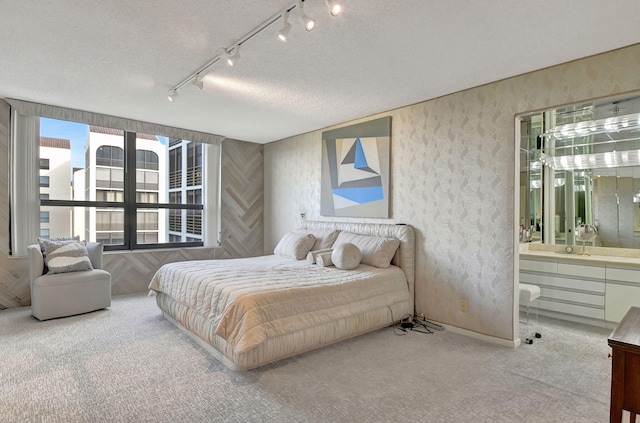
[120, 188]
[44, 164]
[44, 233]
[108, 155]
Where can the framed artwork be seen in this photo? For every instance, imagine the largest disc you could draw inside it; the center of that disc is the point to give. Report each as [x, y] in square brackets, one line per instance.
[355, 170]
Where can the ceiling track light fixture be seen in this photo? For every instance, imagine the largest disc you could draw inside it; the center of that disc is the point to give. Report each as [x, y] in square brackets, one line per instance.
[309, 24]
[335, 7]
[232, 58]
[232, 53]
[283, 33]
[198, 82]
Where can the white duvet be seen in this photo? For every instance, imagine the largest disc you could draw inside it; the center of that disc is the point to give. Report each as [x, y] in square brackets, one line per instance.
[249, 300]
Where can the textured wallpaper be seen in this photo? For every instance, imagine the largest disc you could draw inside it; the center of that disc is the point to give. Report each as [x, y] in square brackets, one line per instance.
[453, 175]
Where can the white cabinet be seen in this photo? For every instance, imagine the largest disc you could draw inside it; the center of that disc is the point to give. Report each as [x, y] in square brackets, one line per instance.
[587, 291]
[623, 291]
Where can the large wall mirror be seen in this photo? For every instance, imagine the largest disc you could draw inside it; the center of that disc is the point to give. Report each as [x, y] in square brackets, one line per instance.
[580, 164]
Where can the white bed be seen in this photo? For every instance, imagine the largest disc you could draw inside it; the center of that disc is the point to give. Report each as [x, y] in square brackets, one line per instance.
[253, 311]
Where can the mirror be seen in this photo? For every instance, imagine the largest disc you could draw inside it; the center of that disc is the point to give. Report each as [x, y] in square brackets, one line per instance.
[580, 165]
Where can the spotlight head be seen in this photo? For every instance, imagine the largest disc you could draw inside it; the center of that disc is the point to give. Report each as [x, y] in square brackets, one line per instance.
[283, 33]
[309, 24]
[232, 59]
[198, 83]
[335, 7]
[172, 95]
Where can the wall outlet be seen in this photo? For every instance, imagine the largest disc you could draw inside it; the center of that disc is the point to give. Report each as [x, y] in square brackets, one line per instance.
[464, 306]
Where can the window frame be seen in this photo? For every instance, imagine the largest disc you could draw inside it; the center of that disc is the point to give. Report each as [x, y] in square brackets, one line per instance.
[131, 206]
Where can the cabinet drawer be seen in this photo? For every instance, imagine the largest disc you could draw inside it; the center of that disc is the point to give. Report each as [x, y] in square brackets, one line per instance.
[625, 275]
[539, 266]
[574, 297]
[577, 310]
[562, 282]
[594, 272]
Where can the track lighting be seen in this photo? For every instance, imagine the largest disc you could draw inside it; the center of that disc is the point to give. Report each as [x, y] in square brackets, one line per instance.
[286, 27]
[309, 24]
[198, 82]
[335, 7]
[232, 59]
[232, 54]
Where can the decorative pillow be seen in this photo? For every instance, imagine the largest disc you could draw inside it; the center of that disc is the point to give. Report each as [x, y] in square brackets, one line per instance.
[376, 250]
[346, 256]
[324, 259]
[294, 245]
[313, 254]
[324, 237]
[62, 238]
[65, 256]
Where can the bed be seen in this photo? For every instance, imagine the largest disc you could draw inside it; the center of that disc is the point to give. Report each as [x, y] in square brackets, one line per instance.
[249, 312]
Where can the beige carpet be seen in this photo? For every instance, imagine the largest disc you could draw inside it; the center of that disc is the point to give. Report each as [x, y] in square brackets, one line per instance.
[127, 364]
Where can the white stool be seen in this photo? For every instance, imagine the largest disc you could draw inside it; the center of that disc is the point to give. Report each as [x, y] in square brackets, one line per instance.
[528, 294]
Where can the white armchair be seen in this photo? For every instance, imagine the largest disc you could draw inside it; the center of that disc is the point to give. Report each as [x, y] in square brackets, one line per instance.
[66, 294]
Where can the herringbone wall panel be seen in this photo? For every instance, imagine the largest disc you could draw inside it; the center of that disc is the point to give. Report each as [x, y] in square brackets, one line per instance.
[242, 198]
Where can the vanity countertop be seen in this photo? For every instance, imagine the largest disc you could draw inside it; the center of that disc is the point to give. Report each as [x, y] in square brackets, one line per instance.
[585, 259]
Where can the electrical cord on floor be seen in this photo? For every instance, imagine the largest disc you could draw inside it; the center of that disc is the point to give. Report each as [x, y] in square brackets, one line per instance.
[397, 330]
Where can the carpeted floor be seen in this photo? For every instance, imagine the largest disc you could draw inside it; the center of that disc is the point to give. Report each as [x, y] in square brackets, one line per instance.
[128, 364]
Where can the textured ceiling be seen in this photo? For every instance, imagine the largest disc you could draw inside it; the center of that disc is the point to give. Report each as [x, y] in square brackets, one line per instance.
[121, 58]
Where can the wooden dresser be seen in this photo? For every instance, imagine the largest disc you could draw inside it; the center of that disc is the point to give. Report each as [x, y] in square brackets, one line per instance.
[625, 368]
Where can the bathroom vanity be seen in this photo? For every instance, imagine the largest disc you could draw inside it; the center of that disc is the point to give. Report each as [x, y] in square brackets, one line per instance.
[596, 289]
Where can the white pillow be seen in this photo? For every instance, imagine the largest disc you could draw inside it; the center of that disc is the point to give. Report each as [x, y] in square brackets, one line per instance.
[295, 245]
[324, 259]
[376, 250]
[324, 237]
[346, 256]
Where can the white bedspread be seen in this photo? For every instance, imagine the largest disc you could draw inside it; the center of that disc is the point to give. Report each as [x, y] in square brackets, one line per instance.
[249, 300]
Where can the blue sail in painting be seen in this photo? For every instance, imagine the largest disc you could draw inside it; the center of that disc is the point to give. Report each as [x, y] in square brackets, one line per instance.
[361, 190]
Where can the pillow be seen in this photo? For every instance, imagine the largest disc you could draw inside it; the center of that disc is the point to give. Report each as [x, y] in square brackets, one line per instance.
[346, 256]
[311, 257]
[324, 237]
[324, 259]
[65, 256]
[376, 250]
[62, 238]
[294, 245]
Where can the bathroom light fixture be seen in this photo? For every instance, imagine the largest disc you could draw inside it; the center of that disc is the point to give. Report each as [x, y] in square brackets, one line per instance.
[335, 7]
[595, 127]
[198, 82]
[283, 33]
[309, 24]
[232, 59]
[232, 53]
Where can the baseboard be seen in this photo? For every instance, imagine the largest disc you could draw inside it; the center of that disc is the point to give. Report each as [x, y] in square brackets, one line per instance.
[482, 337]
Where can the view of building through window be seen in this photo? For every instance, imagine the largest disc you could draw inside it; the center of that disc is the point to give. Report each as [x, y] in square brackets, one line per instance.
[83, 185]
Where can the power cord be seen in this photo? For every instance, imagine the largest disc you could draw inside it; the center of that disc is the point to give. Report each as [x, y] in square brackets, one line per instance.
[399, 331]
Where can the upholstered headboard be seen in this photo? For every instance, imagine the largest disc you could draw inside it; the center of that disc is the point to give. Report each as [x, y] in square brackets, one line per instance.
[405, 255]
